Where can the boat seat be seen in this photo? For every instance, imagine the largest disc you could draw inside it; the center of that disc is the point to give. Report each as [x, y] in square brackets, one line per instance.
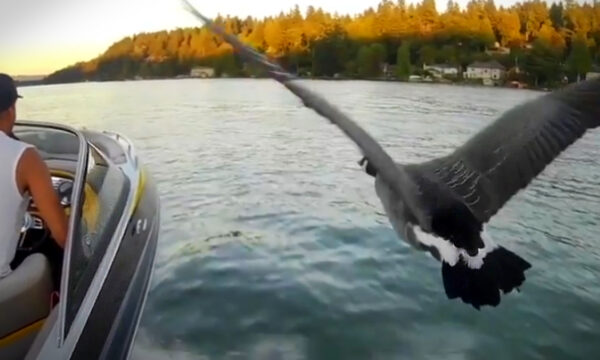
[24, 304]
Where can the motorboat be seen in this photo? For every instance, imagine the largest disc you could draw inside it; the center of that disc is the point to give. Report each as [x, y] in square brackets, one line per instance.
[83, 302]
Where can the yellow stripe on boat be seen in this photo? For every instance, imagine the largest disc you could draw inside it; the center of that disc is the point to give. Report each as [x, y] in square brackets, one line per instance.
[140, 189]
[22, 333]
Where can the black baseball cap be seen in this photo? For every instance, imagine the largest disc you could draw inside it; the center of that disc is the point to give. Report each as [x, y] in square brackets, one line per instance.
[8, 92]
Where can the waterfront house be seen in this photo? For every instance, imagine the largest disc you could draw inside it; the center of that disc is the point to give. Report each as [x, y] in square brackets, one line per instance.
[490, 72]
[439, 71]
[202, 72]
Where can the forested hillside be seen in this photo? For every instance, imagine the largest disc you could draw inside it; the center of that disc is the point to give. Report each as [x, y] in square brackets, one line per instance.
[545, 42]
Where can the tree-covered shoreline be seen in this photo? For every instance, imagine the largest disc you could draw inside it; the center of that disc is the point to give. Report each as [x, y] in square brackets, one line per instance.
[538, 44]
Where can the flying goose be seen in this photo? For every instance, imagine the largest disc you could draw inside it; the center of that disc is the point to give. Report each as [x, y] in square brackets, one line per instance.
[441, 206]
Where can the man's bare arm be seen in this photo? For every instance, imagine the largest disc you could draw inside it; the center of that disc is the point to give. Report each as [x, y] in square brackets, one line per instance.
[36, 178]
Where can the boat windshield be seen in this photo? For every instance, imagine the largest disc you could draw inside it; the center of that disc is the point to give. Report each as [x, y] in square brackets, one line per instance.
[104, 199]
[53, 144]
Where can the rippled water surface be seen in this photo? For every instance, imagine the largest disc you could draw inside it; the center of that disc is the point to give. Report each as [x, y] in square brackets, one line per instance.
[274, 246]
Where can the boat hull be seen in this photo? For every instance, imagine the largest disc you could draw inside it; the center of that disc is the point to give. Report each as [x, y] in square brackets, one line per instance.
[111, 327]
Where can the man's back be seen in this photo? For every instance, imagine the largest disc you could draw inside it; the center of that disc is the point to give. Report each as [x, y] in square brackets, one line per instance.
[12, 203]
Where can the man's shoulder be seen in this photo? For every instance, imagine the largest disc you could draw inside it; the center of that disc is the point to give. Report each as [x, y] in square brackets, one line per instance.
[10, 140]
[31, 157]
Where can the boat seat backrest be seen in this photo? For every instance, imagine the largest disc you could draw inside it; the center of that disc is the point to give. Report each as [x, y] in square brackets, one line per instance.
[24, 301]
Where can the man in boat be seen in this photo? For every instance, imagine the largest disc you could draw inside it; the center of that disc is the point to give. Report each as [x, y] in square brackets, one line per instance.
[22, 173]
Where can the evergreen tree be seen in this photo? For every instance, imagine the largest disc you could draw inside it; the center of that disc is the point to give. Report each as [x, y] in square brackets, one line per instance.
[579, 61]
[557, 16]
[403, 69]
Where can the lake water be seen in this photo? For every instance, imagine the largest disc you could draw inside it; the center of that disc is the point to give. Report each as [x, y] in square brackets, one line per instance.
[274, 245]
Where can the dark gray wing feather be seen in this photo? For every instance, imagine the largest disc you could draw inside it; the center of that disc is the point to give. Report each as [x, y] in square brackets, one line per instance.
[504, 157]
[394, 176]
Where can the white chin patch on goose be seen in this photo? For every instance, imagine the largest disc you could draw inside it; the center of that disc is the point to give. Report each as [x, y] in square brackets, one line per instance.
[448, 252]
[451, 254]
[476, 261]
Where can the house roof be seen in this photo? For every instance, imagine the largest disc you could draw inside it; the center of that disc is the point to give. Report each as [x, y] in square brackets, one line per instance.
[487, 65]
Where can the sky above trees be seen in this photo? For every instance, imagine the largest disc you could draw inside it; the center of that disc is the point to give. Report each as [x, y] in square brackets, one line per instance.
[47, 35]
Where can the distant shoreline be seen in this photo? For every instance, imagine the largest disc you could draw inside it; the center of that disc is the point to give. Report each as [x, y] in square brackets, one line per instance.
[30, 83]
[321, 78]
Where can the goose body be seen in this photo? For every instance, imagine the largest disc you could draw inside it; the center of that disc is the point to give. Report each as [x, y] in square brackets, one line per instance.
[459, 193]
[442, 205]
